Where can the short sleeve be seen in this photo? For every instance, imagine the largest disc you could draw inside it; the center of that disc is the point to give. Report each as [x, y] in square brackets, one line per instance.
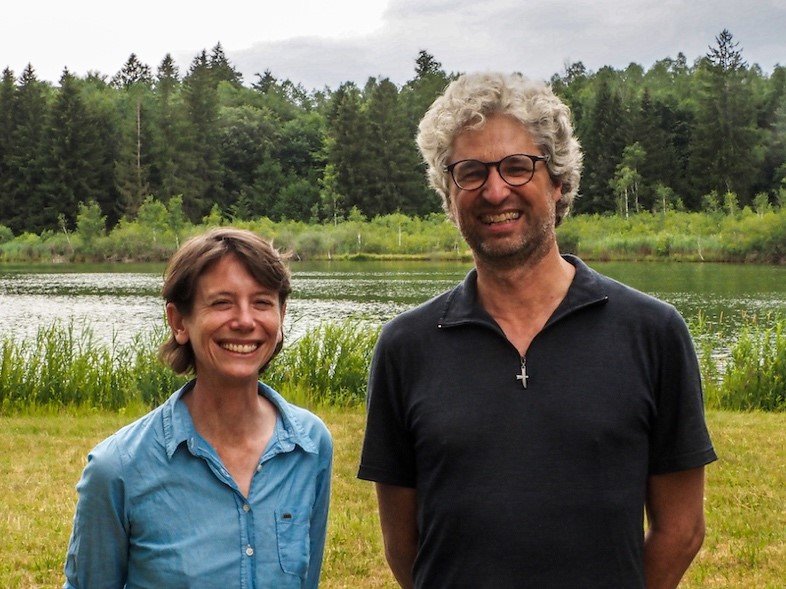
[388, 455]
[679, 439]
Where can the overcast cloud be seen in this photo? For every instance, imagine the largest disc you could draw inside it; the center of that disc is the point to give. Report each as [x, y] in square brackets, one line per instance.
[322, 43]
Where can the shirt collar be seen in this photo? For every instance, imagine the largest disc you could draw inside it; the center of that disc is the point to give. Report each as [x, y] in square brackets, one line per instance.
[179, 427]
[586, 288]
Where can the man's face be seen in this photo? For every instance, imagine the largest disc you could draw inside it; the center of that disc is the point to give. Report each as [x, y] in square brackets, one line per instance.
[504, 225]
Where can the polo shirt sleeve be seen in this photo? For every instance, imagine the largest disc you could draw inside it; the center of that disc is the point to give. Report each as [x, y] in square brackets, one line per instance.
[679, 439]
[98, 550]
[388, 455]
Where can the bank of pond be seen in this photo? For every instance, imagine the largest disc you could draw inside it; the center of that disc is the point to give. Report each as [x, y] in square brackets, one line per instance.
[327, 366]
[737, 235]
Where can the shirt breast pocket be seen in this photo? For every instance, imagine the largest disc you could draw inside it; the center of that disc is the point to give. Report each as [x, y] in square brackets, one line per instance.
[293, 539]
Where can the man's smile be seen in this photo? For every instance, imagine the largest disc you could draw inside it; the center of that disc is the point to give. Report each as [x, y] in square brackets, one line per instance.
[500, 217]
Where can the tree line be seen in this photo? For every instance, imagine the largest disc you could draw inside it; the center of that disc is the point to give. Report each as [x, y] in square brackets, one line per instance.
[703, 136]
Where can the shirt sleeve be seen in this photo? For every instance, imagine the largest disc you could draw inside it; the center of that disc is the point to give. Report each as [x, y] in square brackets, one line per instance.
[98, 550]
[319, 512]
[388, 454]
[679, 439]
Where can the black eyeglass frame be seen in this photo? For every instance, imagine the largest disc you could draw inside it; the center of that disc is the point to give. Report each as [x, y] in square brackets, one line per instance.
[535, 159]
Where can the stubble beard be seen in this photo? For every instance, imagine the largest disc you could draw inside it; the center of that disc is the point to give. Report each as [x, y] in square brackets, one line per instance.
[525, 249]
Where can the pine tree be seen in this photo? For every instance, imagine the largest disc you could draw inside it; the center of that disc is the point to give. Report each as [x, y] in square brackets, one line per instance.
[28, 209]
[396, 179]
[347, 145]
[201, 103]
[73, 164]
[603, 141]
[167, 175]
[221, 69]
[722, 152]
[135, 81]
[7, 122]
[133, 73]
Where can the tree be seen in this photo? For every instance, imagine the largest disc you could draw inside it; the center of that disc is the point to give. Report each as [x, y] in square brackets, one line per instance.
[395, 181]
[221, 69]
[603, 142]
[74, 161]
[627, 179]
[247, 136]
[90, 223]
[347, 145]
[7, 123]
[722, 151]
[28, 208]
[135, 81]
[176, 218]
[201, 102]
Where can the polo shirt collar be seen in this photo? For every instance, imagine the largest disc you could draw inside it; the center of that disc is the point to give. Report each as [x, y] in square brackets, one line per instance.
[179, 427]
[587, 288]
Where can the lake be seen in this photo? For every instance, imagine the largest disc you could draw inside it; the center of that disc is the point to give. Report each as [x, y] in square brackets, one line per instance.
[118, 302]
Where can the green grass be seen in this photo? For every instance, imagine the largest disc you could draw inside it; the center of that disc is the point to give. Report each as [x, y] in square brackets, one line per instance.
[42, 455]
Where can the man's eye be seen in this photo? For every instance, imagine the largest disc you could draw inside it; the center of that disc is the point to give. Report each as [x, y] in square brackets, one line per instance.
[471, 172]
[517, 167]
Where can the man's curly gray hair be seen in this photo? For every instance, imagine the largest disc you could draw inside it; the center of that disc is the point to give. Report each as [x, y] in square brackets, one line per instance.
[467, 102]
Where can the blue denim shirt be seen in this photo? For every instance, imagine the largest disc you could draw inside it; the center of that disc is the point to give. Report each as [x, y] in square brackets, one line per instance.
[158, 509]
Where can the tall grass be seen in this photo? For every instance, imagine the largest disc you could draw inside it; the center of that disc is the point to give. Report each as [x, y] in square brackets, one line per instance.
[754, 376]
[328, 366]
[61, 367]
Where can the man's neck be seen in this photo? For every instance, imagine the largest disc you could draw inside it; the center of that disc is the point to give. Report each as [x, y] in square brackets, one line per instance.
[521, 298]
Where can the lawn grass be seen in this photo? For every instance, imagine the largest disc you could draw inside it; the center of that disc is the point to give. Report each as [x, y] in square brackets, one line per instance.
[41, 457]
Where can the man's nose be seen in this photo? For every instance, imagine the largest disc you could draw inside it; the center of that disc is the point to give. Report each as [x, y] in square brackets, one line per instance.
[495, 189]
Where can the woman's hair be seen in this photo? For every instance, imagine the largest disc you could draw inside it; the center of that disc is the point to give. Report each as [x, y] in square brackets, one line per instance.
[471, 98]
[199, 254]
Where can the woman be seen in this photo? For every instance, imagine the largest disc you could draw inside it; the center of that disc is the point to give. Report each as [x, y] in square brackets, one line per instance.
[226, 484]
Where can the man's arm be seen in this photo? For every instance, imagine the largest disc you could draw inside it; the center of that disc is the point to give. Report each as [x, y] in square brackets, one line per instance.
[398, 518]
[675, 512]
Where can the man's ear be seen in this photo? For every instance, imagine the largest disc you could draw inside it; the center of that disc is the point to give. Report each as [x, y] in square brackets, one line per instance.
[176, 324]
[557, 190]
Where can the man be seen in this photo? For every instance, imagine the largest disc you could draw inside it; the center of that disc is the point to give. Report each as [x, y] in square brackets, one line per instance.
[520, 425]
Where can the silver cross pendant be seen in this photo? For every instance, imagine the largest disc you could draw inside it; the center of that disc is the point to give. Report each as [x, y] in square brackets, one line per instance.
[523, 377]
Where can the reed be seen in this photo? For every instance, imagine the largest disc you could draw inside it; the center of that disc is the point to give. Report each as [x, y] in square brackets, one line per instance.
[328, 366]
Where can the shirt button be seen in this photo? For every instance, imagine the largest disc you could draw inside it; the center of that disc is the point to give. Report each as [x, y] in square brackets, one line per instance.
[259, 468]
[246, 508]
[249, 551]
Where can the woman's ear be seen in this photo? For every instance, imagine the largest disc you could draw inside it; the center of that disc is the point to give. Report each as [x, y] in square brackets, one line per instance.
[281, 331]
[176, 324]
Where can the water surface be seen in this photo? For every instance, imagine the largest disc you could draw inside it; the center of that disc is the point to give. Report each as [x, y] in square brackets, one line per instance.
[118, 302]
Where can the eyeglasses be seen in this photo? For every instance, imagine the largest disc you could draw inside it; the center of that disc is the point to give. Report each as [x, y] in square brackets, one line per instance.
[515, 170]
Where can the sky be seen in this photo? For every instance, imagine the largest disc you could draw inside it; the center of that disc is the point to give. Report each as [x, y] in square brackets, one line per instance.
[320, 43]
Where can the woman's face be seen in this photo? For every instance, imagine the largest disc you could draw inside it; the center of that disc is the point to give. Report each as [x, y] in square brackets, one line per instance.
[234, 325]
